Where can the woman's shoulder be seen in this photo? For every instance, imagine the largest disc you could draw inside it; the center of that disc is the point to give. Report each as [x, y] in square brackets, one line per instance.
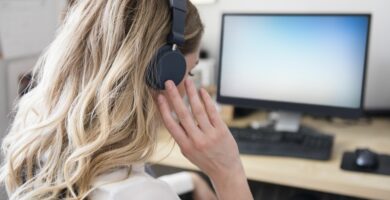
[139, 185]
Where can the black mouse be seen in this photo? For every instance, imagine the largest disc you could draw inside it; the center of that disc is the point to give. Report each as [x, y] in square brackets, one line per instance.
[366, 159]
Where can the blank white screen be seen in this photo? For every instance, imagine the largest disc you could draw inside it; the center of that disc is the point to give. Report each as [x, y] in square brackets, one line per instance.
[316, 60]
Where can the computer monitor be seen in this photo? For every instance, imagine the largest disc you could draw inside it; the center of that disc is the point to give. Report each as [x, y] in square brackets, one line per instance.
[300, 63]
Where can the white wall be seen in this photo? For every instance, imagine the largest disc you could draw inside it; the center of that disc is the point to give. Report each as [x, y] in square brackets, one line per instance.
[3, 101]
[26, 28]
[378, 88]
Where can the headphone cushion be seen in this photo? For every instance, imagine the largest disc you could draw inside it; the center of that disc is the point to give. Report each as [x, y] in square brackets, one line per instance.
[167, 65]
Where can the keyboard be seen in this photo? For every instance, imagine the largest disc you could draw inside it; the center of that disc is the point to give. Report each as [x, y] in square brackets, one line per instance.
[306, 143]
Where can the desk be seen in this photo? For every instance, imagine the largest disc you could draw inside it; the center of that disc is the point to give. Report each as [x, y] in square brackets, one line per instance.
[325, 176]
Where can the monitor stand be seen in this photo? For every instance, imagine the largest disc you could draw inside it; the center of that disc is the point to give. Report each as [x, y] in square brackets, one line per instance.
[286, 121]
[283, 121]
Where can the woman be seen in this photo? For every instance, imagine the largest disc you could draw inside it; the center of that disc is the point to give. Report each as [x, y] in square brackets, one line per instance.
[91, 113]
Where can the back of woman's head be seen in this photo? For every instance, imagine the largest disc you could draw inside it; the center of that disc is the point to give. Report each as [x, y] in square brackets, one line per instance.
[90, 109]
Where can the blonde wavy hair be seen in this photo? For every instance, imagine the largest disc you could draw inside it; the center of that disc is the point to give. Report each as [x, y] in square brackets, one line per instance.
[90, 110]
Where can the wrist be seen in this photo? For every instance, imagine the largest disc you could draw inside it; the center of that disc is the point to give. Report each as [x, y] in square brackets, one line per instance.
[232, 173]
[229, 178]
[232, 186]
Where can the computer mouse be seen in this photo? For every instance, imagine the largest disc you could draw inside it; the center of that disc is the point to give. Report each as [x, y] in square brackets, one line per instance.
[366, 159]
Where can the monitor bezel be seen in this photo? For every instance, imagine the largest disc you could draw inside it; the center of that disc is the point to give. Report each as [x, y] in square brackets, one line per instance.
[318, 110]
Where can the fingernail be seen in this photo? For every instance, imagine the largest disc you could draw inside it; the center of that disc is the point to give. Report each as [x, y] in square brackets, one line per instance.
[169, 84]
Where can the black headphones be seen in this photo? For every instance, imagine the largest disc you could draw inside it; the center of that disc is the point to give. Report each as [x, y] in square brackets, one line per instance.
[169, 63]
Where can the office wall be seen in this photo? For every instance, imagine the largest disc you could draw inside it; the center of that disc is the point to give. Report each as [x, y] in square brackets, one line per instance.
[378, 87]
[3, 101]
[26, 28]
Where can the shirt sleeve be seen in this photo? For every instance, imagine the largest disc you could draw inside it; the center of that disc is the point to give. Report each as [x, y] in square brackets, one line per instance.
[181, 182]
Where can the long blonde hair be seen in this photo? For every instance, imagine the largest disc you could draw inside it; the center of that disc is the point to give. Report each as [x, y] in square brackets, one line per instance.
[90, 110]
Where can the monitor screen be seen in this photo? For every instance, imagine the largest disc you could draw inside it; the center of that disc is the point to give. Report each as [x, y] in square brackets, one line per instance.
[302, 59]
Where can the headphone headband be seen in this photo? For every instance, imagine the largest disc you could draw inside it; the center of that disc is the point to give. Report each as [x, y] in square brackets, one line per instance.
[179, 12]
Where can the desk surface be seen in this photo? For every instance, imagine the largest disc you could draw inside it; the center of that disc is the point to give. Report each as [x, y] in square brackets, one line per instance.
[325, 176]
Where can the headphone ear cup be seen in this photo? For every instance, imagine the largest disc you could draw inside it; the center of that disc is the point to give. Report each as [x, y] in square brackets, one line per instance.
[166, 65]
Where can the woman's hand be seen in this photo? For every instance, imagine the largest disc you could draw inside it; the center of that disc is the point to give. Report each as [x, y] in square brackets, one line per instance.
[205, 139]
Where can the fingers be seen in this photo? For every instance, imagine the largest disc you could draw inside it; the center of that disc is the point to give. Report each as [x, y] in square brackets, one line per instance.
[181, 110]
[197, 106]
[210, 108]
[173, 127]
